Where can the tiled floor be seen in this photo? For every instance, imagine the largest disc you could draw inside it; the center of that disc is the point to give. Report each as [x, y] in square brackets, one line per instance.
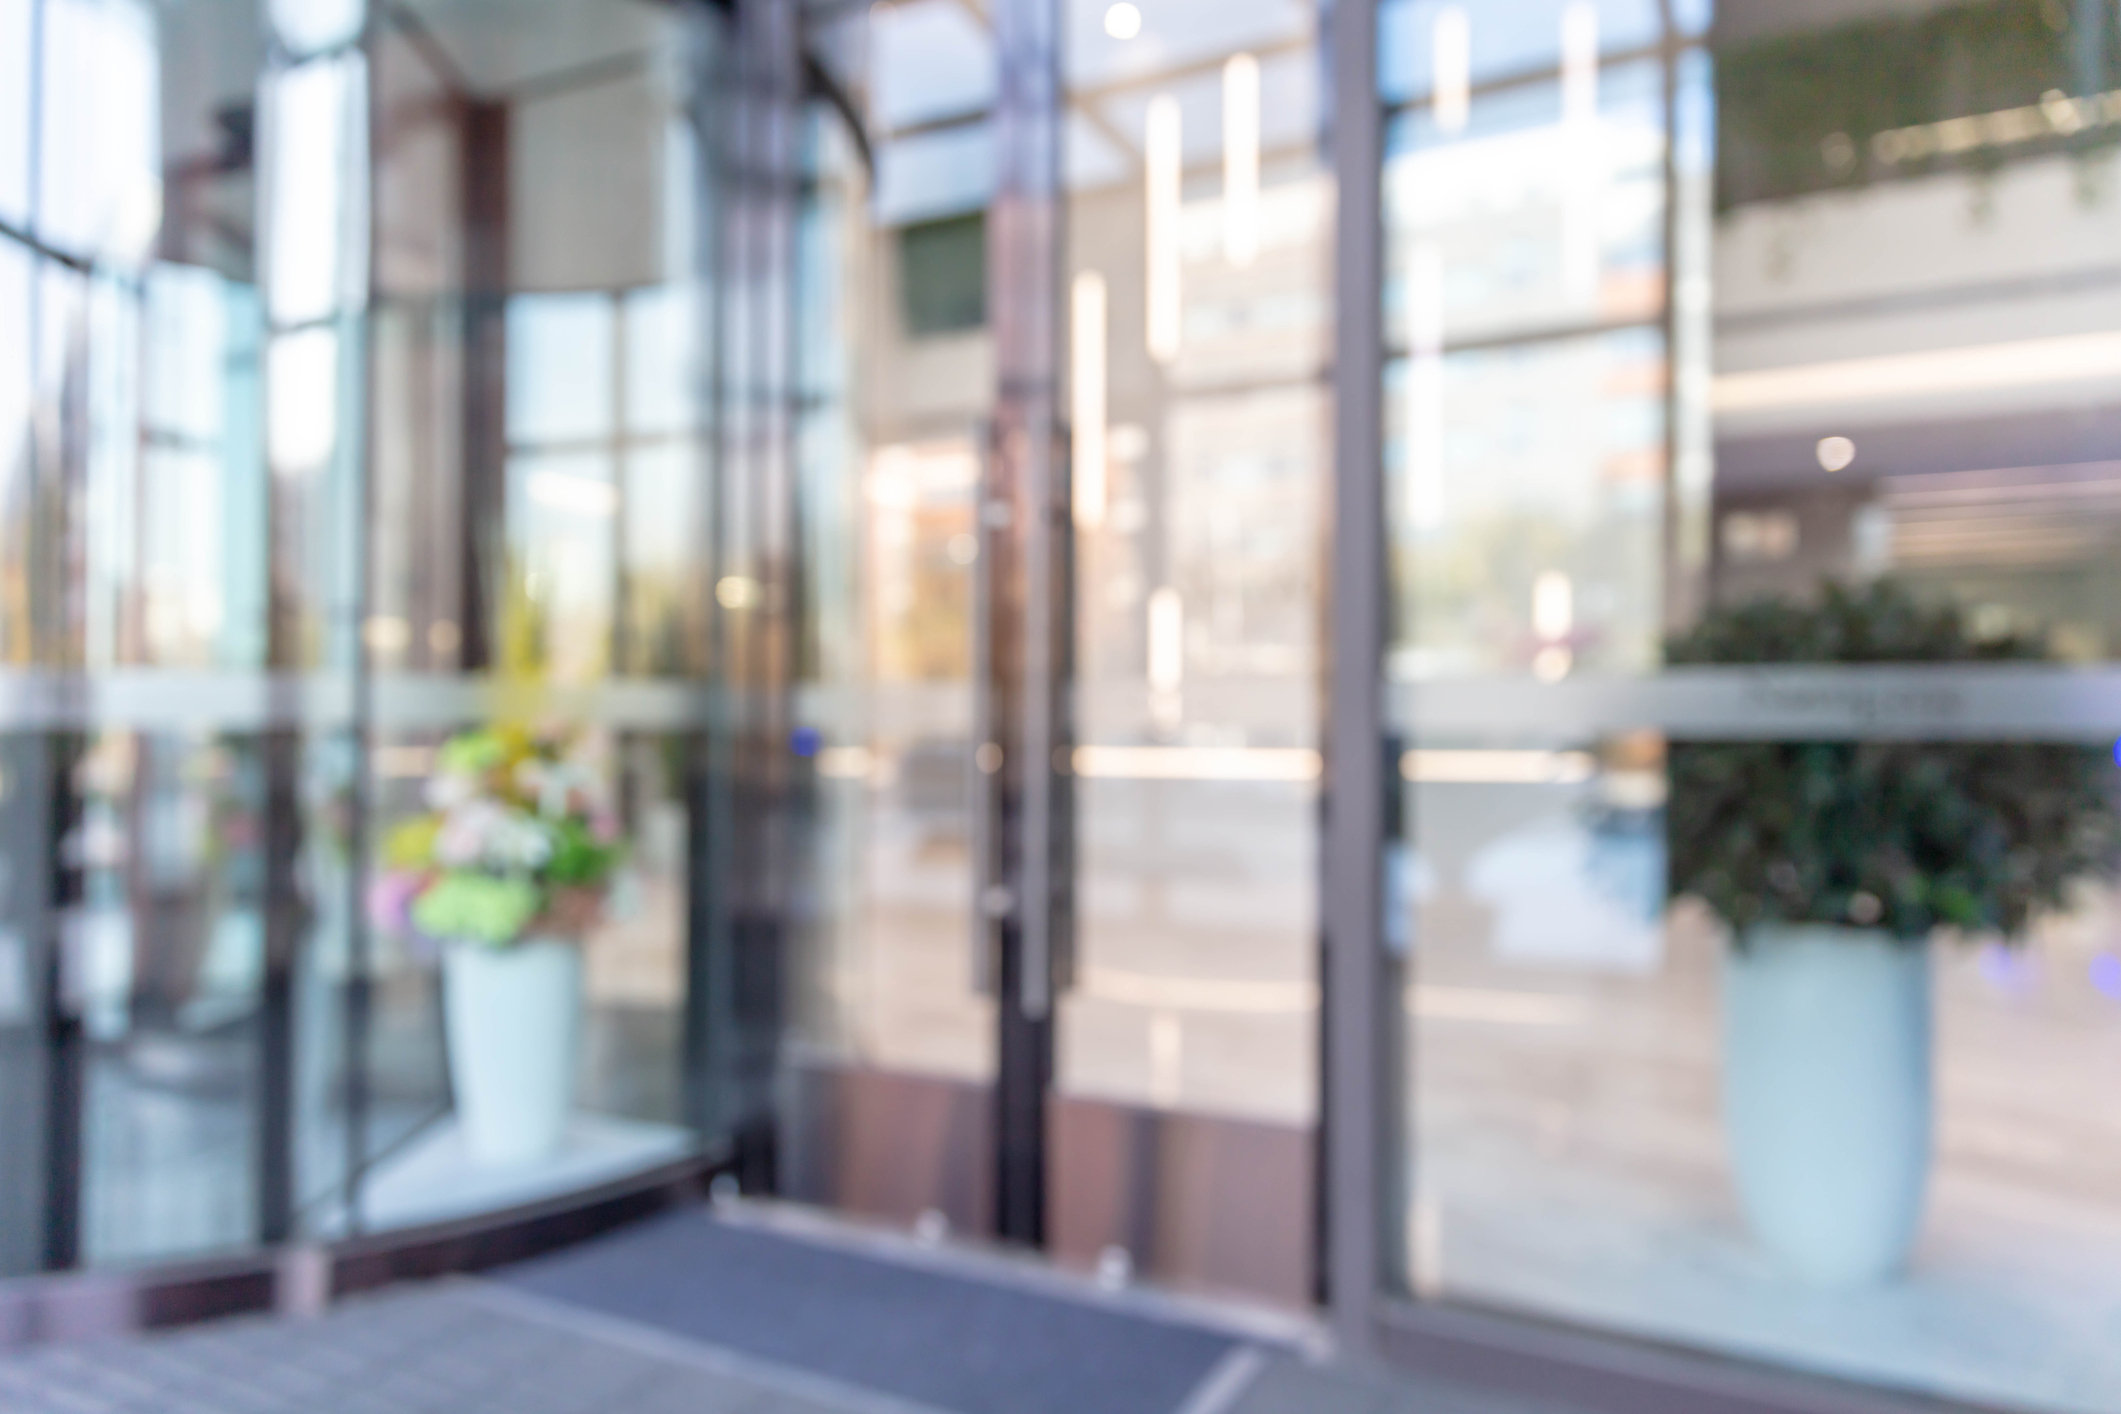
[469, 1347]
[442, 1348]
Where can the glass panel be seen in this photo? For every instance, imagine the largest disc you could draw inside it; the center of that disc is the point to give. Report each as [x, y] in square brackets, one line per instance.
[560, 368]
[17, 441]
[1428, 47]
[16, 97]
[170, 940]
[1737, 634]
[313, 118]
[1199, 334]
[892, 1028]
[1520, 224]
[932, 59]
[563, 563]
[663, 372]
[99, 159]
[665, 581]
[307, 26]
[540, 415]
[1530, 512]
[213, 469]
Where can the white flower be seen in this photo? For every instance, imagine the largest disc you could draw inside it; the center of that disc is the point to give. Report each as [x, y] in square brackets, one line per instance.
[484, 834]
[467, 829]
[521, 843]
[448, 789]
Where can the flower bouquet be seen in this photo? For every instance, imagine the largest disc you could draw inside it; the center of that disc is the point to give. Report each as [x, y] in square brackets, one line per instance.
[518, 842]
[509, 867]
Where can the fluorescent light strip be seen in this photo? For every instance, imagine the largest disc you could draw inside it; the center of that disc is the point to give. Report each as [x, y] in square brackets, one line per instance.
[2070, 358]
[1161, 154]
[1087, 398]
[1167, 640]
[1241, 160]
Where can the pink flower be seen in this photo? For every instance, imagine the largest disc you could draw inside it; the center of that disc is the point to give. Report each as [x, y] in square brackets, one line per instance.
[390, 897]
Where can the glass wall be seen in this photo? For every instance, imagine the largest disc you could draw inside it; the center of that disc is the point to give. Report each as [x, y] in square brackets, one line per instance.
[540, 513]
[354, 389]
[138, 890]
[1751, 420]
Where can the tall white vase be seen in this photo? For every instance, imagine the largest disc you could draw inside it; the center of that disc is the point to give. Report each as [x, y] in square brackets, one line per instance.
[1827, 1096]
[512, 1015]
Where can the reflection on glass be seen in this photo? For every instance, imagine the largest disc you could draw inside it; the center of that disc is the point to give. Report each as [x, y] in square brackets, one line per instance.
[315, 113]
[16, 96]
[1530, 513]
[1613, 676]
[198, 427]
[1197, 339]
[169, 935]
[98, 160]
[308, 26]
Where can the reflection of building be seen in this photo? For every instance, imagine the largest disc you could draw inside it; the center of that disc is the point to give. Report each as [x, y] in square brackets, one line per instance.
[1932, 278]
[370, 370]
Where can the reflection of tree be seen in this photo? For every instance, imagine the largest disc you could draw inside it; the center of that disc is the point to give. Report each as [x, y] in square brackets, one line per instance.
[1797, 112]
[661, 636]
[17, 523]
[525, 622]
[1466, 595]
[924, 621]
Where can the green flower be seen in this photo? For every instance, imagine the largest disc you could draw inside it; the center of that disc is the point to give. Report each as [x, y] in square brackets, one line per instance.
[477, 907]
[471, 753]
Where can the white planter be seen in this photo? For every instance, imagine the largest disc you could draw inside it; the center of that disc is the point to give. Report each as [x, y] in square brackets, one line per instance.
[512, 1015]
[1827, 1096]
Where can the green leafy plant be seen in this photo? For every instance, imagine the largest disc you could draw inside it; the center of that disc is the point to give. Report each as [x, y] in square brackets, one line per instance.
[1905, 836]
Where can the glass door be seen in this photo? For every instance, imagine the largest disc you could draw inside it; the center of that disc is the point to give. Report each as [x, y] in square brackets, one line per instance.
[1198, 234]
[892, 1050]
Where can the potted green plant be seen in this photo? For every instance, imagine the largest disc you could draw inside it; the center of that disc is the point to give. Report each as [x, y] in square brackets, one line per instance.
[508, 869]
[1833, 863]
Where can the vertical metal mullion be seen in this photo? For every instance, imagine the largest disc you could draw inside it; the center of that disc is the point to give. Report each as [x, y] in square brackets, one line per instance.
[361, 547]
[285, 918]
[621, 445]
[483, 210]
[66, 1038]
[740, 914]
[1355, 1043]
[1684, 590]
[1028, 619]
[61, 1033]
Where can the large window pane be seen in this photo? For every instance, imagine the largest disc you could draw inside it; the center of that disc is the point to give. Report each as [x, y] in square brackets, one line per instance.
[1199, 227]
[1721, 1029]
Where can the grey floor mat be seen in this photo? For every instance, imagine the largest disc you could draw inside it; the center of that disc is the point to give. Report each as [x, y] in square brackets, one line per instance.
[936, 1338]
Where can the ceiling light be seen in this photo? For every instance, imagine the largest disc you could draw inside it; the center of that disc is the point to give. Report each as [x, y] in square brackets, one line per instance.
[1123, 21]
[1835, 453]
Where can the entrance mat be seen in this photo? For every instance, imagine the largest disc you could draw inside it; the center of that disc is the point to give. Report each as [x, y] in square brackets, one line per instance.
[937, 1338]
